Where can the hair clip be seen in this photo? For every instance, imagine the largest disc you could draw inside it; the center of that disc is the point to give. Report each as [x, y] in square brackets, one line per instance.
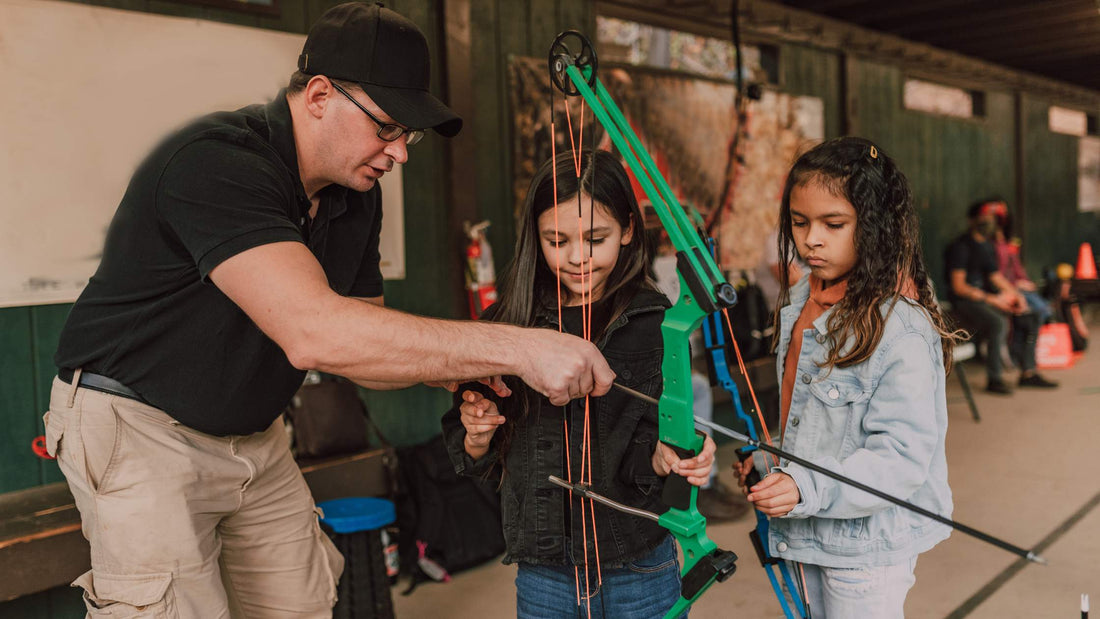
[874, 152]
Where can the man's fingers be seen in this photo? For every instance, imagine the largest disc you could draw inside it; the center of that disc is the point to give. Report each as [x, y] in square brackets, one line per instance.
[496, 383]
[603, 377]
[559, 397]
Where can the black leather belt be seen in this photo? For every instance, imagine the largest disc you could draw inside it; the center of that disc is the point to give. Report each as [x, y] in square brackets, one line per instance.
[97, 382]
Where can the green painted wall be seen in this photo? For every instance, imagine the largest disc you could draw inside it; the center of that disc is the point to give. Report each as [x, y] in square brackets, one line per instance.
[1055, 228]
[806, 71]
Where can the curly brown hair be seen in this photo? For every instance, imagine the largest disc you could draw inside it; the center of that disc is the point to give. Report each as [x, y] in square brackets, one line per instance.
[887, 242]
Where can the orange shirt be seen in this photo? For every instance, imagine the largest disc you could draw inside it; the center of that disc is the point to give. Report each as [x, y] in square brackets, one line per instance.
[820, 300]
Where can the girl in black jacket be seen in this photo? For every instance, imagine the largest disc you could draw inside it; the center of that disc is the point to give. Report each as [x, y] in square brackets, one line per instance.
[580, 267]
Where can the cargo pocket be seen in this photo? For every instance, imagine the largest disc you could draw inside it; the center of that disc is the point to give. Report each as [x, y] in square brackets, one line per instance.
[333, 561]
[126, 596]
[54, 431]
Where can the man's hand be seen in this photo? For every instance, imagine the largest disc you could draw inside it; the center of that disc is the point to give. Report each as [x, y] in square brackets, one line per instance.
[1003, 301]
[696, 469]
[563, 367]
[1019, 303]
[481, 419]
[775, 495]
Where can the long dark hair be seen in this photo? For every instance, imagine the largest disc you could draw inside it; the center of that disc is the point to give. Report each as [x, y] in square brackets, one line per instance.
[887, 239]
[529, 283]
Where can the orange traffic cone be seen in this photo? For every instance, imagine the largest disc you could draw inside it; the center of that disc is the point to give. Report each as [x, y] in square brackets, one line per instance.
[1086, 265]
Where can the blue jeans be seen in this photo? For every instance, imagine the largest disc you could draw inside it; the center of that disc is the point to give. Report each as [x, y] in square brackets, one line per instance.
[857, 593]
[643, 589]
[1037, 304]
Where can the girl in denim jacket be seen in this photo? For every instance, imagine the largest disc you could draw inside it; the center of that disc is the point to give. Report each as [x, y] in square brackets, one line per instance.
[587, 278]
[862, 354]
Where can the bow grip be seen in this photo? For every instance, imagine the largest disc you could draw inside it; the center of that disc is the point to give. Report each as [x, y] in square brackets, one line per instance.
[677, 490]
[753, 478]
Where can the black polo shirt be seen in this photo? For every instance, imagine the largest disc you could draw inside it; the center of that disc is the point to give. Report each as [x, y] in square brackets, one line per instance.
[151, 319]
[977, 258]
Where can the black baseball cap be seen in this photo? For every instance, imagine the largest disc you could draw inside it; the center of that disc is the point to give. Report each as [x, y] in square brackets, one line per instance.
[386, 55]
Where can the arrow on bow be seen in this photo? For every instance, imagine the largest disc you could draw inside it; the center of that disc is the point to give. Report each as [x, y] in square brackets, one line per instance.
[1030, 555]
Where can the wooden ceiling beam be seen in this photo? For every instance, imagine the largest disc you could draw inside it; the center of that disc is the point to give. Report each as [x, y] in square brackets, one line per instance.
[961, 24]
[1022, 29]
[661, 16]
[887, 16]
[1051, 50]
[828, 6]
[769, 21]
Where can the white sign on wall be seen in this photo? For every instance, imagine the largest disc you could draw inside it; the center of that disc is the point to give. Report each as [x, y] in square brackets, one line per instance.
[1088, 174]
[1067, 121]
[87, 93]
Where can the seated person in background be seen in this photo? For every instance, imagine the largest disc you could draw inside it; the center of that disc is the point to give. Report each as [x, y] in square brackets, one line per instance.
[984, 301]
[1008, 262]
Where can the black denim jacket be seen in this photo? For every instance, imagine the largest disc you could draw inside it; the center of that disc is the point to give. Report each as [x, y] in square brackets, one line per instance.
[623, 438]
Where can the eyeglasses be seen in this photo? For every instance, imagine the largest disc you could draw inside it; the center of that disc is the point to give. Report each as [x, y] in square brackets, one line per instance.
[388, 132]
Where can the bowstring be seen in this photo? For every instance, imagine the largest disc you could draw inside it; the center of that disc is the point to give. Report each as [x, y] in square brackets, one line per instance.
[586, 329]
[561, 323]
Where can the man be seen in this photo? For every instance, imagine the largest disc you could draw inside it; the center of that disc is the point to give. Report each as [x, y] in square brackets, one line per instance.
[985, 301]
[244, 252]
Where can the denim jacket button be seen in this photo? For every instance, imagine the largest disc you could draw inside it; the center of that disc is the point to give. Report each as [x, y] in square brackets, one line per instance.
[834, 394]
[806, 378]
[820, 338]
[781, 546]
[794, 421]
[626, 374]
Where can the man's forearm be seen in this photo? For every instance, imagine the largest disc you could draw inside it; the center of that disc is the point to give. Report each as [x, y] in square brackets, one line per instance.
[378, 346]
[379, 385]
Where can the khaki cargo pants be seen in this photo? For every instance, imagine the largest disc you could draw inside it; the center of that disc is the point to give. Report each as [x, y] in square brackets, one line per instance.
[186, 524]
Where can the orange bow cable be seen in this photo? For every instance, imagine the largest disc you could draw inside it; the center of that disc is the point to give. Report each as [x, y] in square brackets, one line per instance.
[585, 473]
[748, 382]
[561, 324]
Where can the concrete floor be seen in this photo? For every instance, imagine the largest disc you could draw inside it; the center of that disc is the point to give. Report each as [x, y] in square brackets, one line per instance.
[1027, 474]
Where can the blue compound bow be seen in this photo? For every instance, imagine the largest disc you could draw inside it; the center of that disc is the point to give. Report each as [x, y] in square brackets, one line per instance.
[714, 339]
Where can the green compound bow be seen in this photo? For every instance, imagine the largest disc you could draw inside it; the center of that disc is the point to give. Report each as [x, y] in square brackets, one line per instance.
[703, 290]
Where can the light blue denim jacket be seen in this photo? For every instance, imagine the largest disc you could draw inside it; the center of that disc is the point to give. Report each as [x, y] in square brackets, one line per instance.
[881, 422]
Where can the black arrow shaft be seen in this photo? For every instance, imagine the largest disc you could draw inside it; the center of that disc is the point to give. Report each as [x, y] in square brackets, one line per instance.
[985, 537]
[958, 526]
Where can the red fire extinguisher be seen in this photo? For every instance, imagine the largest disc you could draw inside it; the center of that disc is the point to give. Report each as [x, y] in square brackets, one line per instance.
[481, 287]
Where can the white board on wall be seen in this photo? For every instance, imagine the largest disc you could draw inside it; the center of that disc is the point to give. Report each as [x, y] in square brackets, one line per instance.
[1088, 174]
[87, 92]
